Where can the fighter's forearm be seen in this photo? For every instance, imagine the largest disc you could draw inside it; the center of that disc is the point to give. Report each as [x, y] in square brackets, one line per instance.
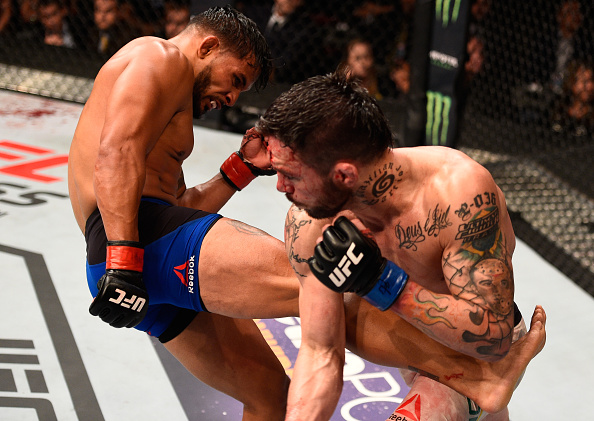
[210, 196]
[118, 183]
[459, 324]
[315, 387]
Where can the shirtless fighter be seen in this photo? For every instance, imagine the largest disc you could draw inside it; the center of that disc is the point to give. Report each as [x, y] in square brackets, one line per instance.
[159, 257]
[430, 239]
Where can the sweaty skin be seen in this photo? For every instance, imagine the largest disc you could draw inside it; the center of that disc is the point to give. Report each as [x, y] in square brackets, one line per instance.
[451, 234]
[448, 231]
[142, 154]
[133, 135]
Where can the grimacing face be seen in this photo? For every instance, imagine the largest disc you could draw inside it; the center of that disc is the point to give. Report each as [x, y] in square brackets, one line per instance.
[320, 197]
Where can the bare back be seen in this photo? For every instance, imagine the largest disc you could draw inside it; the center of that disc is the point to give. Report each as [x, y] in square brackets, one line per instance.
[141, 104]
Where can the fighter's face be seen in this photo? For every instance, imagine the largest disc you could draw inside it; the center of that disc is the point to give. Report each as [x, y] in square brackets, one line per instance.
[222, 80]
[318, 196]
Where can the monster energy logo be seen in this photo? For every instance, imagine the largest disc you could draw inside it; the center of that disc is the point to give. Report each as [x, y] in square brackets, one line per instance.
[442, 11]
[438, 117]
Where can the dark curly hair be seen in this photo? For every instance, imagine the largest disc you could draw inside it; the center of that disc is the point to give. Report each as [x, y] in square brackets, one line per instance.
[240, 34]
[328, 118]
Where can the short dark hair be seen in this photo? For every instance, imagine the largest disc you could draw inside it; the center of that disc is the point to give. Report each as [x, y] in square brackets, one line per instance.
[240, 34]
[325, 119]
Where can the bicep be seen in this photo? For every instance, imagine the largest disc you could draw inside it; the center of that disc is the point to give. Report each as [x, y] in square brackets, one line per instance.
[477, 258]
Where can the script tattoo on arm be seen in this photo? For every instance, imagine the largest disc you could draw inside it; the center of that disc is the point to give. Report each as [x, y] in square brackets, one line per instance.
[380, 185]
[411, 235]
[292, 228]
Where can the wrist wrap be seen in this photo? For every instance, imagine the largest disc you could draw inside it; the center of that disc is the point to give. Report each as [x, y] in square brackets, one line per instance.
[236, 172]
[124, 255]
[388, 287]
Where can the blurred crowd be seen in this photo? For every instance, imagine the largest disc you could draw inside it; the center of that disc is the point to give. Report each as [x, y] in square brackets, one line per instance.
[371, 38]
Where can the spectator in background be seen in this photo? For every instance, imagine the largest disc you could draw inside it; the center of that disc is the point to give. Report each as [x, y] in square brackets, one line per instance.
[475, 45]
[574, 113]
[475, 58]
[569, 21]
[177, 16]
[379, 21]
[58, 29]
[6, 14]
[145, 17]
[25, 24]
[359, 62]
[110, 32]
[49, 23]
[556, 49]
[400, 75]
[291, 36]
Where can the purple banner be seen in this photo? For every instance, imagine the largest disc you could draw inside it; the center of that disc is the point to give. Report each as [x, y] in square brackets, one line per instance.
[370, 393]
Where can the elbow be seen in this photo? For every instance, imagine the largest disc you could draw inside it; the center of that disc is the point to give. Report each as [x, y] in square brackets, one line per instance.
[498, 349]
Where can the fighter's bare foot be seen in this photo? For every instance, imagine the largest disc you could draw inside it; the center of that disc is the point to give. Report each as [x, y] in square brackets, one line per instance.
[501, 377]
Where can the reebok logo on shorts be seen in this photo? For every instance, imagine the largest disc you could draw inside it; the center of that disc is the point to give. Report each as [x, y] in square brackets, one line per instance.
[409, 410]
[186, 273]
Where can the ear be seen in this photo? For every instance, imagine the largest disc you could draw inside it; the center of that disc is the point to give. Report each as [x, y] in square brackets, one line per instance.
[208, 45]
[345, 173]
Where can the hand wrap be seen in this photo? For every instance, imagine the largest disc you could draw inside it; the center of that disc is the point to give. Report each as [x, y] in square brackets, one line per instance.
[347, 261]
[237, 170]
[122, 300]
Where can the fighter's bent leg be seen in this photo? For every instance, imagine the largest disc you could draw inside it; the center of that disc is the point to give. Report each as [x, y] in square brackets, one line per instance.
[429, 400]
[245, 273]
[231, 356]
[384, 338]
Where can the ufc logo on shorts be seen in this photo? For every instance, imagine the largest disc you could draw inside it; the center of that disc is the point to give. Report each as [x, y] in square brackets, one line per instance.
[342, 271]
[134, 302]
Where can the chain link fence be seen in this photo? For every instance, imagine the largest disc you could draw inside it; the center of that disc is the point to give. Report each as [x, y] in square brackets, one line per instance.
[526, 85]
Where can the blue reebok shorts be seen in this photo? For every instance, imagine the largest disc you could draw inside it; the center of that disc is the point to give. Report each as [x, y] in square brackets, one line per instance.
[172, 237]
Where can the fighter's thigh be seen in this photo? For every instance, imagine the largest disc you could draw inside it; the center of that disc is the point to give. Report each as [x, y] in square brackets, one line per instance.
[384, 338]
[244, 272]
[231, 356]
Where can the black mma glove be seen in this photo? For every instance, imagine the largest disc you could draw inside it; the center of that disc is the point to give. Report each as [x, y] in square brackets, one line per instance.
[347, 261]
[122, 300]
[237, 170]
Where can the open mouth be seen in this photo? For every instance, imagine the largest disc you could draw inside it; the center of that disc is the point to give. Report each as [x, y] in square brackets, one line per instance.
[211, 105]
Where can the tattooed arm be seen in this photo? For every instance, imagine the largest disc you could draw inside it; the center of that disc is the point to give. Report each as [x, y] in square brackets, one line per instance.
[317, 379]
[478, 242]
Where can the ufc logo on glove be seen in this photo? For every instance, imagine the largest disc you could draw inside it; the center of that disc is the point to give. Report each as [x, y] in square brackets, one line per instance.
[136, 303]
[342, 271]
[368, 274]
